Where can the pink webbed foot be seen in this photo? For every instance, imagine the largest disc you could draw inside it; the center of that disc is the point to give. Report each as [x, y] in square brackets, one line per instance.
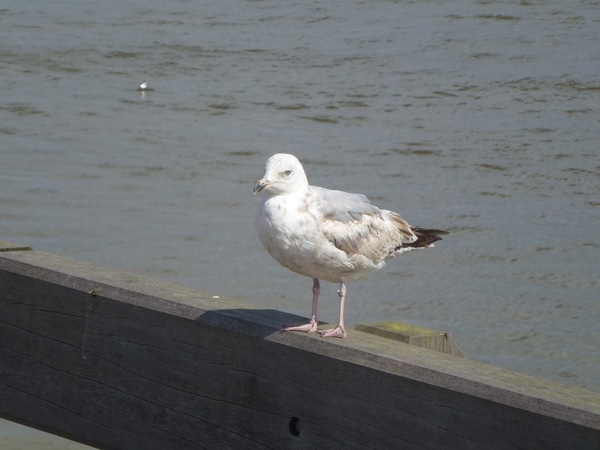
[308, 328]
[338, 332]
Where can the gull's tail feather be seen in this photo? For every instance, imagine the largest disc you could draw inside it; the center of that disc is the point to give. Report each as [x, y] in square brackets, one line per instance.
[425, 238]
[427, 232]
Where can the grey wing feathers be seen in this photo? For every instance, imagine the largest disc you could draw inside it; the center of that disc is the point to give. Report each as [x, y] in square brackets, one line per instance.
[343, 206]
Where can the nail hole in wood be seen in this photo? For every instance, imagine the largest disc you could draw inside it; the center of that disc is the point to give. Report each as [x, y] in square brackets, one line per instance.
[295, 426]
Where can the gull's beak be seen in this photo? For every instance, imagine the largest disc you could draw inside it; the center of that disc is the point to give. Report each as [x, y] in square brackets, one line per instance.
[261, 185]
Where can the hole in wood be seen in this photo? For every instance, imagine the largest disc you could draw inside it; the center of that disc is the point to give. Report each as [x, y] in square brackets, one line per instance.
[295, 426]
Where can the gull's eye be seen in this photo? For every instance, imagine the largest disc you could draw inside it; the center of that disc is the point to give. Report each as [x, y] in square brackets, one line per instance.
[287, 173]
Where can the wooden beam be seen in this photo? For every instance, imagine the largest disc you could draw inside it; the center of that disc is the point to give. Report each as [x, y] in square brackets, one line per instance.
[119, 361]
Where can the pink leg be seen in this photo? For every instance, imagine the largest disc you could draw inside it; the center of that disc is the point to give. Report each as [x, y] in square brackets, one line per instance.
[312, 325]
[339, 331]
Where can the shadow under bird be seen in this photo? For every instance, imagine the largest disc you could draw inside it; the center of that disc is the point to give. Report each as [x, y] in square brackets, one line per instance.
[326, 234]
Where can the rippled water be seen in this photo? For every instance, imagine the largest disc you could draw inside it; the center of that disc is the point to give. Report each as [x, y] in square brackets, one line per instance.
[478, 117]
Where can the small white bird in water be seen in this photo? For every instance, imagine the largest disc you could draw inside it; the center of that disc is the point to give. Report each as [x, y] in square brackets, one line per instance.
[329, 235]
[144, 85]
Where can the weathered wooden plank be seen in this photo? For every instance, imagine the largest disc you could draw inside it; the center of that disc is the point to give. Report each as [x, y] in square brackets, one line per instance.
[413, 335]
[6, 246]
[123, 362]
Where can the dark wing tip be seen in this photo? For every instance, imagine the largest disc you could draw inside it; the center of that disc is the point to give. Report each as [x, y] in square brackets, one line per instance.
[425, 237]
[429, 232]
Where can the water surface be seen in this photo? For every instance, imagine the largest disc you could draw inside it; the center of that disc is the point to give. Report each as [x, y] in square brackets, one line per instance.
[478, 117]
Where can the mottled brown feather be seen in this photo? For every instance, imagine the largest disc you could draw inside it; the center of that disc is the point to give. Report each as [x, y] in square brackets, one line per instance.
[375, 237]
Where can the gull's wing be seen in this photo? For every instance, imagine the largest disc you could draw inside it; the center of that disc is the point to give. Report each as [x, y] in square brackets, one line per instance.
[343, 206]
[352, 224]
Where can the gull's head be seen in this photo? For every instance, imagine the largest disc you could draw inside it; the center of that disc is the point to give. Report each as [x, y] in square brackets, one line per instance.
[283, 175]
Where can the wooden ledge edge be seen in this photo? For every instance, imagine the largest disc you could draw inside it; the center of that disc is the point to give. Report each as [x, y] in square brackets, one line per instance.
[6, 246]
[413, 335]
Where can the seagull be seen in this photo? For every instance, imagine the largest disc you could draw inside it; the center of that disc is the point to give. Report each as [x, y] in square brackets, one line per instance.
[328, 235]
[144, 85]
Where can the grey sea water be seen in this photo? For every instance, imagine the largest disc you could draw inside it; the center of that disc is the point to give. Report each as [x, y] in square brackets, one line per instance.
[478, 117]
